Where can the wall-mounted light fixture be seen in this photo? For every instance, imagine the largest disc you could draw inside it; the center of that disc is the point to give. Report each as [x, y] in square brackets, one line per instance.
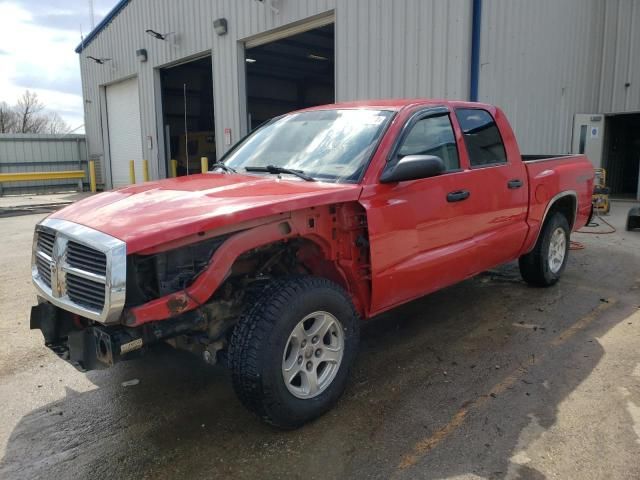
[142, 55]
[220, 26]
[270, 4]
[157, 35]
[251, 60]
[99, 61]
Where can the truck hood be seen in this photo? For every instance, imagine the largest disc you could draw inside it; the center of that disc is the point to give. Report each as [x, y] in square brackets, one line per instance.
[145, 216]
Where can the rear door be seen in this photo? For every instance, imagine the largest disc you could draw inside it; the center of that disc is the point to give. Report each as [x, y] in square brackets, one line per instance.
[420, 240]
[498, 186]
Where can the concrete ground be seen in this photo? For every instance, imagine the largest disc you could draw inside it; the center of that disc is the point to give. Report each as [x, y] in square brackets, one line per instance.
[14, 205]
[487, 379]
[19, 201]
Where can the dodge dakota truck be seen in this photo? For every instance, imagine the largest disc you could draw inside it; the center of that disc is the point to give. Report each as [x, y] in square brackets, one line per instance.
[317, 220]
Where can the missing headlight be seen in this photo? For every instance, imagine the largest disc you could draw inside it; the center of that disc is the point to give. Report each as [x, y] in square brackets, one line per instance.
[153, 276]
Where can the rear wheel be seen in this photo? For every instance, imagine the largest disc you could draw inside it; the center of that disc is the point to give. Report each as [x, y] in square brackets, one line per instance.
[291, 353]
[544, 265]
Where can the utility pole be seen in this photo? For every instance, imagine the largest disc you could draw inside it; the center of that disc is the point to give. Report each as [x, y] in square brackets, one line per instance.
[92, 16]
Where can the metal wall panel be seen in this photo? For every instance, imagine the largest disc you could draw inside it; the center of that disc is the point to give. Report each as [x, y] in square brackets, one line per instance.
[407, 48]
[620, 78]
[540, 62]
[547, 60]
[41, 153]
[384, 48]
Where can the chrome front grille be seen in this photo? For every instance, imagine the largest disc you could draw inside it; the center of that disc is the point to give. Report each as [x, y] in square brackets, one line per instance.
[86, 258]
[45, 242]
[84, 292]
[44, 270]
[80, 269]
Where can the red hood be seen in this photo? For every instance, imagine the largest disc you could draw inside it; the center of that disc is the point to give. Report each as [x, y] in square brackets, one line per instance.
[154, 213]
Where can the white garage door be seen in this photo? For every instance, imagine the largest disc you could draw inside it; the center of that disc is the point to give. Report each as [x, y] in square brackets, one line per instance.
[125, 137]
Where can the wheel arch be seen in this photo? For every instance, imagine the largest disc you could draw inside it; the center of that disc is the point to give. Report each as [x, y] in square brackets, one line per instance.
[566, 203]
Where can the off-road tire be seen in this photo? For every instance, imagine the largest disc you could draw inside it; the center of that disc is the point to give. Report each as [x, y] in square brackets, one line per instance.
[258, 343]
[534, 266]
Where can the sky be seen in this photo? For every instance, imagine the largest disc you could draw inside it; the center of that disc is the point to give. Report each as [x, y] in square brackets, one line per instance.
[37, 52]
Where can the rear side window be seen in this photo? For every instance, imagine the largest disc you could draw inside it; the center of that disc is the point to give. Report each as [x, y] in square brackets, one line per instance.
[482, 137]
[432, 136]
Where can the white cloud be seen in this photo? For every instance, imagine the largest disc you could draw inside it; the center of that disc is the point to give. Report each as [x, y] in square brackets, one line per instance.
[38, 53]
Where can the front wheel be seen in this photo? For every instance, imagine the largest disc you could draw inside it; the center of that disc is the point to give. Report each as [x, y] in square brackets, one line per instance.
[544, 265]
[291, 353]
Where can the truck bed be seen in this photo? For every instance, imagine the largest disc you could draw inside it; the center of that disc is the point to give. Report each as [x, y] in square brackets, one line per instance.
[550, 174]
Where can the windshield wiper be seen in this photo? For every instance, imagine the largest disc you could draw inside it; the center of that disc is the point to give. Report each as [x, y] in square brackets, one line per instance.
[276, 169]
[224, 167]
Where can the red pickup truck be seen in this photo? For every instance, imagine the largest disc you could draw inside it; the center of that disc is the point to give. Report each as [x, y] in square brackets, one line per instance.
[314, 221]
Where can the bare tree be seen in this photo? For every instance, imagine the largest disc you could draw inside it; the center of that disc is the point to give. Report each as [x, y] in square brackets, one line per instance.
[30, 116]
[56, 125]
[29, 110]
[7, 118]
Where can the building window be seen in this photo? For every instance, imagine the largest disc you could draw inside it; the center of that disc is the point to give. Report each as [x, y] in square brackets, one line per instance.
[482, 137]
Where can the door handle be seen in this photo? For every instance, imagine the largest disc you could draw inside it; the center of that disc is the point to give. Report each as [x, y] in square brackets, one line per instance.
[515, 183]
[458, 196]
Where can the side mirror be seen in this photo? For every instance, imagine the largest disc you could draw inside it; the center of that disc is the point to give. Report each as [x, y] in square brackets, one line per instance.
[413, 167]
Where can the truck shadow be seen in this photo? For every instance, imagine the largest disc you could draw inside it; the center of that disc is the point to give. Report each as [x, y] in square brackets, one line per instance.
[419, 366]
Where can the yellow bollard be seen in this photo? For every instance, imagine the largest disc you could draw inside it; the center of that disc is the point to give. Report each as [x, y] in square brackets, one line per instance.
[92, 175]
[145, 170]
[174, 168]
[132, 172]
[204, 164]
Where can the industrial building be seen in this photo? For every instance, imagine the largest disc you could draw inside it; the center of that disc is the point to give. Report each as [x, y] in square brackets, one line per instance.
[185, 79]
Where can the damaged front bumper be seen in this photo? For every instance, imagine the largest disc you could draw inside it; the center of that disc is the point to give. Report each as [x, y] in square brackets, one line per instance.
[90, 346]
[86, 348]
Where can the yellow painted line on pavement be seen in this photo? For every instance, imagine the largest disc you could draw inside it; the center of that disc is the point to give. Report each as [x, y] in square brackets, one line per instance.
[583, 322]
[424, 446]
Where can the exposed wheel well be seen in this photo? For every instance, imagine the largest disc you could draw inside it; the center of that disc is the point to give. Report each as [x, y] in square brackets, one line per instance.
[329, 242]
[566, 205]
[300, 256]
[255, 270]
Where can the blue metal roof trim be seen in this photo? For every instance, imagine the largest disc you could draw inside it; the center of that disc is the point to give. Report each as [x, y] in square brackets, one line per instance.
[101, 26]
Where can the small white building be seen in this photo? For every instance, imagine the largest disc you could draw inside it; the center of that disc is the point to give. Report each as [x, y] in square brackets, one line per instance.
[186, 79]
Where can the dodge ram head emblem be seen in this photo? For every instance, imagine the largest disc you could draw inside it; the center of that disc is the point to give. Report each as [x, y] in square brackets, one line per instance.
[56, 280]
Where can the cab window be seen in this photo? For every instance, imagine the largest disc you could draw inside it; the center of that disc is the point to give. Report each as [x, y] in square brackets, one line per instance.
[432, 136]
[482, 137]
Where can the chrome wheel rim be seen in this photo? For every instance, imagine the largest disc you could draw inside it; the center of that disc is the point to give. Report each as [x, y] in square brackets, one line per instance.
[557, 250]
[312, 355]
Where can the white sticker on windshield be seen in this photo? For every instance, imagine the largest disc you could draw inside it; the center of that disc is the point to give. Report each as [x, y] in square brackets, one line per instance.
[377, 120]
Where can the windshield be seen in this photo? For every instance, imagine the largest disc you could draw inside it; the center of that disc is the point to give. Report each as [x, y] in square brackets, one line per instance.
[328, 145]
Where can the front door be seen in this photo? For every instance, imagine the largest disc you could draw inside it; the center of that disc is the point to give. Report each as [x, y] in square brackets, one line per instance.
[420, 240]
